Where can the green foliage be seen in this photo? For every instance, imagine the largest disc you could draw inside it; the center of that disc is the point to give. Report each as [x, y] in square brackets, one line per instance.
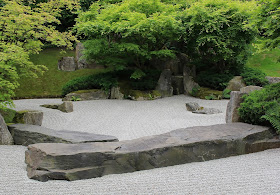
[74, 98]
[226, 94]
[8, 114]
[195, 91]
[272, 115]
[129, 33]
[257, 103]
[267, 22]
[216, 33]
[253, 76]
[99, 81]
[213, 97]
[213, 80]
[23, 31]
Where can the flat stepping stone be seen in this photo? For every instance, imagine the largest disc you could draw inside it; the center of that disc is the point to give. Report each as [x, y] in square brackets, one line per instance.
[24, 134]
[195, 144]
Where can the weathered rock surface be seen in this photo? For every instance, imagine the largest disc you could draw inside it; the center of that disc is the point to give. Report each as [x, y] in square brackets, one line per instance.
[192, 106]
[249, 89]
[273, 79]
[24, 134]
[236, 84]
[66, 106]
[178, 85]
[165, 83]
[32, 117]
[5, 136]
[195, 144]
[232, 115]
[188, 75]
[94, 94]
[67, 64]
[207, 111]
[116, 93]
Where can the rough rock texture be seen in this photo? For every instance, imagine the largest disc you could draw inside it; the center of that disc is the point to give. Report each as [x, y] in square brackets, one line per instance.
[189, 74]
[67, 64]
[236, 83]
[207, 111]
[82, 63]
[66, 106]
[5, 136]
[94, 94]
[24, 134]
[178, 85]
[192, 106]
[232, 115]
[273, 79]
[116, 93]
[89, 160]
[31, 117]
[165, 83]
[249, 89]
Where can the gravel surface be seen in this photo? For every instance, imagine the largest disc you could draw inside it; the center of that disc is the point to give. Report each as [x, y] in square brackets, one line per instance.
[256, 173]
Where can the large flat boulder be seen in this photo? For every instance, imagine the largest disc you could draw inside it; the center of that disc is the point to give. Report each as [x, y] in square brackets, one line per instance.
[89, 160]
[24, 134]
[92, 94]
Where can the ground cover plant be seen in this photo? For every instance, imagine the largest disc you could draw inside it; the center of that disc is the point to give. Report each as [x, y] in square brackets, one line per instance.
[259, 106]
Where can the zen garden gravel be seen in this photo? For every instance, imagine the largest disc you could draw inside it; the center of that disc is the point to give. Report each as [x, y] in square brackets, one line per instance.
[256, 173]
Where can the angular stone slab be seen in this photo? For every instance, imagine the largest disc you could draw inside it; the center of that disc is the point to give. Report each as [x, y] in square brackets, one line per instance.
[24, 134]
[89, 160]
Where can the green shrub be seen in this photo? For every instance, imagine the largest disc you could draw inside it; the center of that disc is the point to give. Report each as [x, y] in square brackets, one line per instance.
[8, 114]
[98, 81]
[147, 82]
[257, 104]
[213, 80]
[273, 116]
[226, 94]
[253, 76]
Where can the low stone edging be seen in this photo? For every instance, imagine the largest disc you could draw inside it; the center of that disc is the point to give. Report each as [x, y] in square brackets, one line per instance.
[195, 144]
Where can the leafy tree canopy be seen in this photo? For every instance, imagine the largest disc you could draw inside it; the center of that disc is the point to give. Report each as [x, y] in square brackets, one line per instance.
[24, 30]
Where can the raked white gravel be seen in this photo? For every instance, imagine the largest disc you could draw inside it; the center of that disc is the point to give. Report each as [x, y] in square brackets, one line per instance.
[257, 173]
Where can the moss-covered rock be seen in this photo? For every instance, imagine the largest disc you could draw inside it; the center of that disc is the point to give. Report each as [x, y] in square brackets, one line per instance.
[143, 95]
[206, 93]
[8, 115]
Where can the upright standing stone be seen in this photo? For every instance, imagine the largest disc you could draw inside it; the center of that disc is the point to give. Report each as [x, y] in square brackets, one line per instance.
[188, 75]
[5, 135]
[116, 93]
[165, 83]
[232, 115]
[67, 64]
[236, 83]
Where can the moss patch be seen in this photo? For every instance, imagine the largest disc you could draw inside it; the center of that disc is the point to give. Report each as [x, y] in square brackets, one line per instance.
[203, 92]
[8, 115]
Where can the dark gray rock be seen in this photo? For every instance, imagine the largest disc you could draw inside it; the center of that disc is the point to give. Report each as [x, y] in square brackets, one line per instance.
[24, 134]
[5, 136]
[51, 106]
[273, 79]
[165, 83]
[232, 115]
[116, 93]
[188, 74]
[236, 83]
[249, 89]
[195, 144]
[67, 64]
[178, 85]
[207, 111]
[94, 94]
[192, 106]
[32, 117]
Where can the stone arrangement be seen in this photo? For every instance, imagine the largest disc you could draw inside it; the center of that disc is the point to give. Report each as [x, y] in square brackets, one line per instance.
[24, 134]
[66, 106]
[195, 108]
[50, 161]
[32, 117]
